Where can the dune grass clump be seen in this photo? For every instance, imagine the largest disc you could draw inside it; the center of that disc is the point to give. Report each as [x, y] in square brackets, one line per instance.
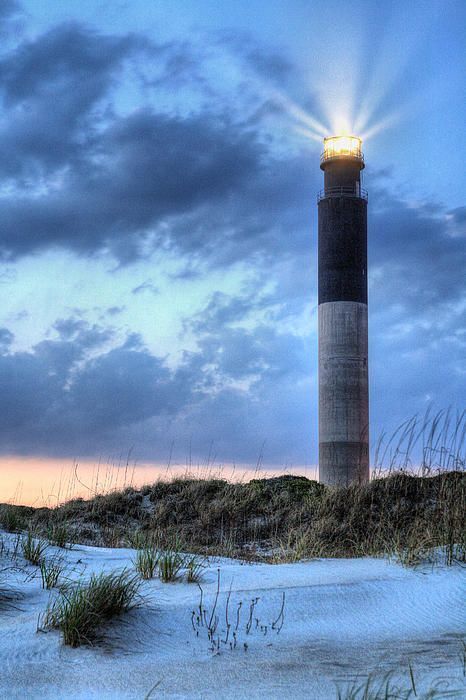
[123, 503]
[50, 572]
[375, 689]
[146, 562]
[59, 535]
[81, 611]
[389, 687]
[169, 565]
[223, 516]
[194, 566]
[138, 539]
[12, 518]
[33, 548]
[410, 518]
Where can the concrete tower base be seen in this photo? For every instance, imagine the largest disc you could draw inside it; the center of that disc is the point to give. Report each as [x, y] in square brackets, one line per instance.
[343, 393]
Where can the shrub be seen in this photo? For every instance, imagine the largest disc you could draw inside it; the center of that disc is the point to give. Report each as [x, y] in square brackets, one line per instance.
[81, 611]
[125, 503]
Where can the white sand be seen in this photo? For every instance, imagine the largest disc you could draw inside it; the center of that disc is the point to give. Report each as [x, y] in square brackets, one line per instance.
[343, 619]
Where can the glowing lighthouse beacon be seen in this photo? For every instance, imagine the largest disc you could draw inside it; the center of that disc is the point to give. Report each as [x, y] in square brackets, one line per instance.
[343, 334]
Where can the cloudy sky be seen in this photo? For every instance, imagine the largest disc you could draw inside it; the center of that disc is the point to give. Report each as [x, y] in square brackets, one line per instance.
[159, 163]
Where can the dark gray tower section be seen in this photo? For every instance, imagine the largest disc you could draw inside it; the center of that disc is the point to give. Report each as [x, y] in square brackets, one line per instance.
[343, 332]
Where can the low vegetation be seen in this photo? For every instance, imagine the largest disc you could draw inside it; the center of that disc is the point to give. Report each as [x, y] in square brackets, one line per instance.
[14, 518]
[411, 518]
[390, 687]
[33, 547]
[171, 561]
[81, 611]
[146, 562]
[194, 568]
[59, 535]
[51, 571]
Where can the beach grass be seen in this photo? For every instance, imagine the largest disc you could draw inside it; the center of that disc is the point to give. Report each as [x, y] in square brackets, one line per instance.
[81, 611]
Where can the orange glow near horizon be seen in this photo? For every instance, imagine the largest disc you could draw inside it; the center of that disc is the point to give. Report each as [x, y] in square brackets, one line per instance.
[42, 481]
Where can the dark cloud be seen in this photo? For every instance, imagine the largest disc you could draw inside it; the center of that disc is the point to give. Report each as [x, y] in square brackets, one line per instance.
[69, 327]
[11, 19]
[8, 8]
[458, 220]
[269, 63]
[147, 285]
[123, 200]
[12, 22]
[118, 388]
[86, 179]
[59, 399]
[114, 310]
[6, 338]
[56, 398]
[419, 256]
[66, 57]
[222, 309]
[81, 333]
[49, 87]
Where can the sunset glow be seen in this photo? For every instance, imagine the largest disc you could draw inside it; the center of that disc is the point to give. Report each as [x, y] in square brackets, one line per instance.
[50, 482]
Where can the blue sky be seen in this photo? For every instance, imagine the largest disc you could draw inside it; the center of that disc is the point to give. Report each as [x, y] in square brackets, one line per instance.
[159, 163]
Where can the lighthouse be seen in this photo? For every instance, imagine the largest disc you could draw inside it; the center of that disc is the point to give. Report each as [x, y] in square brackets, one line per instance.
[342, 311]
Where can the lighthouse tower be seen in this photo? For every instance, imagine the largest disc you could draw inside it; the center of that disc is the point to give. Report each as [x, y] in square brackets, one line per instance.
[343, 331]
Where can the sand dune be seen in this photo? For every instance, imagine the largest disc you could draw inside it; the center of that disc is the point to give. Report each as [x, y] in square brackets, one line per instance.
[342, 619]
